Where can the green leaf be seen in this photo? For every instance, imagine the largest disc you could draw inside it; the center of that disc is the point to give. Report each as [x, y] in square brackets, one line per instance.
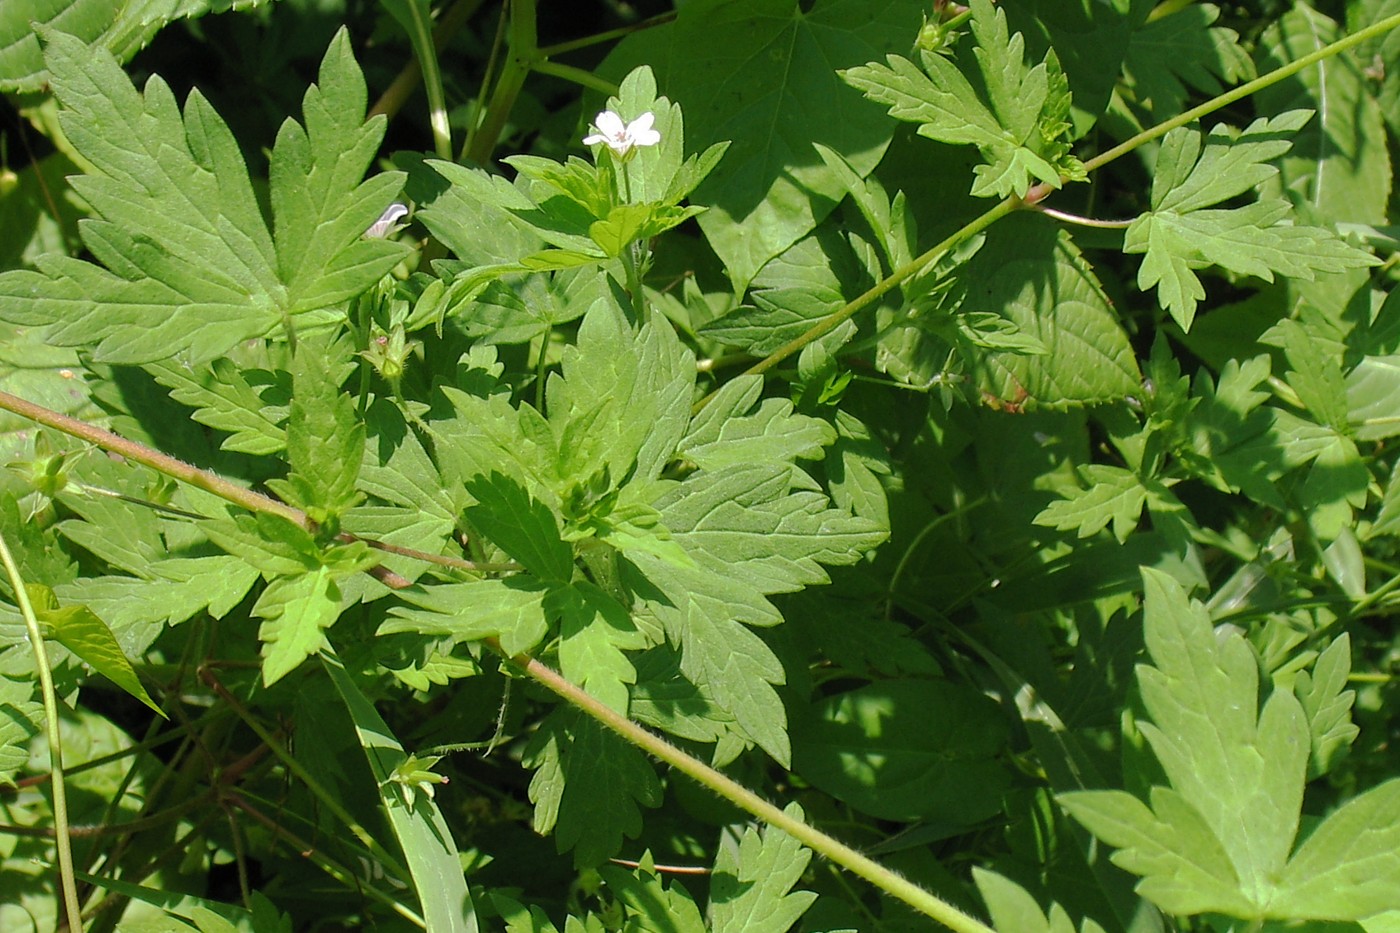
[651, 905]
[658, 174]
[296, 612]
[806, 282]
[1373, 398]
[1013, 909]
[1035, 276]
[664, 699]
[510, 609]
[1327, 704]
[224, 398]
[1349, 868]
[1180, 236]
[325, 440]
[188, 265]
[747, 524]
[515, 310]
[1316, 375]
[520, 920]
[1219, 840]
[749, 533]
[179, 588]
[1112, 494]
[777, 57]
[622, 399]
[1017, 121]
[594, 632]
[705, 616]
[82, 632]
[124, 29]
[734, 428]
[41, 374]
[890, 220]
[751, 888]
[321, 208]
[458, 201]
[588, 786]
[487, 435]
[420, 828]
[1339, 166]
[397, 469]
[1169, 54]
[522, 526]
[21, 717]
[872, 749]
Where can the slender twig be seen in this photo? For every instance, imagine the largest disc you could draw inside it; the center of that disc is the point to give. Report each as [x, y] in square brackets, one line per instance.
[829, 323]
[404, 84]
[1039, 192]
[576, 75]
[661, 19]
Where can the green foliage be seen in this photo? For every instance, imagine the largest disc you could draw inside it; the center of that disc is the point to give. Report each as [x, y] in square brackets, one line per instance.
[1179, 234]
[1017, 122]
[803, 437]
[1222, 837]
[188, 265]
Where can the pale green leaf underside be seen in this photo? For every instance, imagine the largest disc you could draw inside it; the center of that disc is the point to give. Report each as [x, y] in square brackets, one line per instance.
[1221, 838]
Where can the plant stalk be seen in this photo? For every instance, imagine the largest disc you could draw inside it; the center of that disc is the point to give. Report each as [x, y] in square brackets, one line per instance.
[62, 838]
[921, 900]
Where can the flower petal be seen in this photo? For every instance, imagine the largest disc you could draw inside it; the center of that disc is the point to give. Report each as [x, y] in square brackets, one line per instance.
[385, 224]
[609, 124]
[640, 131]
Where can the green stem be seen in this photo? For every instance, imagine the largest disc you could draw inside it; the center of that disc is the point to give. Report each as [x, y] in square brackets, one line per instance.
[1243, 91]
[541, 364]
[1038, 192]
[829, 323]
[523, 54]
[62, 840]
[921, 900]
[634, 253]
[576, 75]
[212, 482]
[659, 20]
[327, 799]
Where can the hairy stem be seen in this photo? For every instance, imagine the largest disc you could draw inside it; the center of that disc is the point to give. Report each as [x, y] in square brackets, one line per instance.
[1039, 192]
[921, 900]
[1243, 91]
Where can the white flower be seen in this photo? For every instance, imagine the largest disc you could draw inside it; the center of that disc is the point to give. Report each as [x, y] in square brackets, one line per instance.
[620, 137]
[385, 224]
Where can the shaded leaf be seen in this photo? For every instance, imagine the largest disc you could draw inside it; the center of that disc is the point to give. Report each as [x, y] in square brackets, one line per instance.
[752, 886]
